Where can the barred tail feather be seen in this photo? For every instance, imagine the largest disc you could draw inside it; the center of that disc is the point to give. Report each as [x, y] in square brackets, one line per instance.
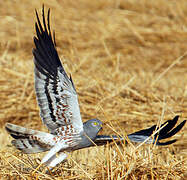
[28, 140]
[28, 146]
[19, 131]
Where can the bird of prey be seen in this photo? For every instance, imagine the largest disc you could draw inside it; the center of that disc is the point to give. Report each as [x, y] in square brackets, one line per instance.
[59, 109]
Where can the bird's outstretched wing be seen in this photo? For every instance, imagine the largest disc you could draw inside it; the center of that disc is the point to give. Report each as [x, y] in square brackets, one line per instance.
[55, 91]
[142, 135]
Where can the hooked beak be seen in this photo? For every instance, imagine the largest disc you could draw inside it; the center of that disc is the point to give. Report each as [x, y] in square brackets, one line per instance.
[101, 127]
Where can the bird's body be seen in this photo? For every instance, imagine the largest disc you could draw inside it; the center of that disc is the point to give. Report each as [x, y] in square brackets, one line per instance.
[32, 141]
[59, 110]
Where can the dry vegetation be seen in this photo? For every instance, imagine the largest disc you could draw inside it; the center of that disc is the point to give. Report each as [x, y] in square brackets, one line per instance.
[129, 64]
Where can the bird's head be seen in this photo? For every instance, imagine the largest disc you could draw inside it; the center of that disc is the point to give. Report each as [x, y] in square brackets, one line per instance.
[92, 127]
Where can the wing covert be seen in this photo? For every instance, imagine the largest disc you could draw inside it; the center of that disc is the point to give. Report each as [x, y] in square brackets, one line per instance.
[55, 91]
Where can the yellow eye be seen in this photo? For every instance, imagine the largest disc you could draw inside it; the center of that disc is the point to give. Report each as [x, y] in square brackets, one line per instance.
[95, 123]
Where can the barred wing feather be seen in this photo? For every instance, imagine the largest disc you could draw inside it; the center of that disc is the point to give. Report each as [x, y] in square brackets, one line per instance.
[55, 91]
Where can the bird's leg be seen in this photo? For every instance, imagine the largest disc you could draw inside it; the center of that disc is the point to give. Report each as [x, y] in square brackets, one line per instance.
[47, 163]
[58, 147]
[52, 162]
[55, 160]
[51, 155]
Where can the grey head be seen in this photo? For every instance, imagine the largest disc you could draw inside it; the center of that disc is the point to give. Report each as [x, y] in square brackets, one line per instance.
[91, 129]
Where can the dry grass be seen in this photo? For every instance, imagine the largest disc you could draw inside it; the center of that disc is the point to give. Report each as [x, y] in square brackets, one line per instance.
[128, 61]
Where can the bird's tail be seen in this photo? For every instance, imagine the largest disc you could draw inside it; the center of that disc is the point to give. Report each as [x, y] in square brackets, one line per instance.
[28, 140]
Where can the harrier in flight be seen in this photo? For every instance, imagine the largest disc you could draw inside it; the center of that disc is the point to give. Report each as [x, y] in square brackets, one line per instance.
[59, 110]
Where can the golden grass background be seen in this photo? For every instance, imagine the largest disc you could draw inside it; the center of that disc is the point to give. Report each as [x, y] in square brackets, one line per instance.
[128, 61]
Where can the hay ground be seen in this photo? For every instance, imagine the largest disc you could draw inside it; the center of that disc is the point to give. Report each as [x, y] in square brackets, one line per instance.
[128, 61]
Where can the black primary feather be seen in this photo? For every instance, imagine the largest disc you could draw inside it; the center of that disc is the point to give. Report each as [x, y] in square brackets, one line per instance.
[45, 53]
[142, 135]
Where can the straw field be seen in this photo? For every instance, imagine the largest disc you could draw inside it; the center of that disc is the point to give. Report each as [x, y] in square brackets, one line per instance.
[128, 60]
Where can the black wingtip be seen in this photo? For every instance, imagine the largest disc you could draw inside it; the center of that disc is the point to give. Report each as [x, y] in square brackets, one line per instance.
[166, 132]
[176, 118]
[166, 143]
[140, 136]
[173, 131]
[170, 125]
[45, 53]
